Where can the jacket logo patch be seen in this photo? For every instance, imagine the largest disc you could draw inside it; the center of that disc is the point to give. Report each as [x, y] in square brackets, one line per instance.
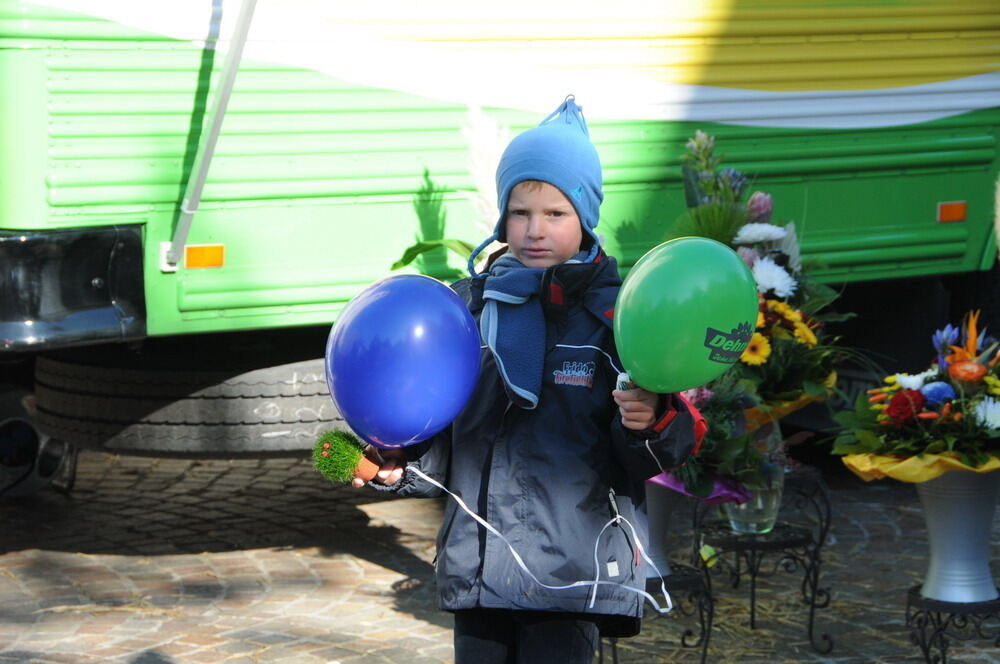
[575, 373]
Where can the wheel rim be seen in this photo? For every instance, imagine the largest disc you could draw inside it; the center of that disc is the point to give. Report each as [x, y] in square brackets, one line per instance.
[29, 460]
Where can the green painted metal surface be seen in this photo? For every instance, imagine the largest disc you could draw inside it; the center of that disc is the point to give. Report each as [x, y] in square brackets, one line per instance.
[313, 184]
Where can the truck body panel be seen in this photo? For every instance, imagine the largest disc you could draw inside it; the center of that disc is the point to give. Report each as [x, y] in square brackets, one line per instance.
[354, 130]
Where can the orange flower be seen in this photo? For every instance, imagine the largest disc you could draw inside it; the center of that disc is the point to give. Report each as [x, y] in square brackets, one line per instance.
[968, 352]
[967, 371]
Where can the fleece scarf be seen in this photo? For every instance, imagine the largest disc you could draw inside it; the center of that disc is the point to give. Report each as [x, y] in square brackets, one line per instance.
[513, 319]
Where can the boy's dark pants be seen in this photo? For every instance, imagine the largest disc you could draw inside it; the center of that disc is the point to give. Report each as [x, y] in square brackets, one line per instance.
[497, 636]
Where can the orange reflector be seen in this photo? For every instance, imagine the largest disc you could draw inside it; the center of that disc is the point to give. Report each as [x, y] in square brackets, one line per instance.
[204, 255]
[951, 211]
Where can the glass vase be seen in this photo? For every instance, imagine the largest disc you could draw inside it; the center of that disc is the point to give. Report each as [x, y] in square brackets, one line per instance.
[759, 514]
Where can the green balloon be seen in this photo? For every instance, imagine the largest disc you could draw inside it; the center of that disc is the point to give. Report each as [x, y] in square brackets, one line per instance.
[685, 314]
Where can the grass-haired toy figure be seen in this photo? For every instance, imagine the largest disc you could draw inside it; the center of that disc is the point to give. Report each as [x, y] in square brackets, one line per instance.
[339, 457]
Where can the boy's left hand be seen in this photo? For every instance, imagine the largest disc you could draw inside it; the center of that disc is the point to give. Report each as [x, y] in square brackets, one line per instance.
[637, 407]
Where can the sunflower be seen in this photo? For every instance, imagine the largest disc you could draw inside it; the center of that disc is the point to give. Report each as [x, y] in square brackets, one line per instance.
[805, 335]
[757, 351]
[785, 311]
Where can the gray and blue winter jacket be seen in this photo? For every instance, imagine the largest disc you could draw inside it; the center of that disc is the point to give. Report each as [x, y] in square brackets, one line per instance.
[550, 478]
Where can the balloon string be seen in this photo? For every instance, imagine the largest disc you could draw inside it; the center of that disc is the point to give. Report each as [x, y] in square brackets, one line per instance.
[618, 518]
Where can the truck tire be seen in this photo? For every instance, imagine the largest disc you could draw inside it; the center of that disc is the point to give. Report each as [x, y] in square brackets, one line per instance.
[208, 413]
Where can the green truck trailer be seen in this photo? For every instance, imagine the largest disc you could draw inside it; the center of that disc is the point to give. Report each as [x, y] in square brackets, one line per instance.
[173, 250]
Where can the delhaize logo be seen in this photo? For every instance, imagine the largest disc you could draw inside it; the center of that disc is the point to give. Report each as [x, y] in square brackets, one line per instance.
[727, 348]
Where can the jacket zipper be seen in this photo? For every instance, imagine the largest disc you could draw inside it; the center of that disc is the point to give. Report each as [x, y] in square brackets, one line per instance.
[493, 447]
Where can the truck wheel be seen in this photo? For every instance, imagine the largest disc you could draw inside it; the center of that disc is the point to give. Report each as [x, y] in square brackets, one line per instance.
[29, 459]
[155, 411]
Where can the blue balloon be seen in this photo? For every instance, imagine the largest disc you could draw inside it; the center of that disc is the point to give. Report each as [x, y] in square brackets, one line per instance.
[402, 360]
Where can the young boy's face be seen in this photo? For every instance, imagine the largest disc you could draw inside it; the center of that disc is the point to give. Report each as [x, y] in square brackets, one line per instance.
[542, 226]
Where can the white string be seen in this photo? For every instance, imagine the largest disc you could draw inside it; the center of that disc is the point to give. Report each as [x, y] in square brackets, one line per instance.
[576, 584]
[624, 382]
[606, 354]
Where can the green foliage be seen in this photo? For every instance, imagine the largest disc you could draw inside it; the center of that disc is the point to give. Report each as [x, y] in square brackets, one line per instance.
[693, 193]
[816, 298]
[460, 247]
[716, 221]
[344, 451]
[727, 450]
[791, 369]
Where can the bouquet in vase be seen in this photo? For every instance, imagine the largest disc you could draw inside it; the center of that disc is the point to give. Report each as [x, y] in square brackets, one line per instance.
[918, 426]
[732, 456]
[790, 359]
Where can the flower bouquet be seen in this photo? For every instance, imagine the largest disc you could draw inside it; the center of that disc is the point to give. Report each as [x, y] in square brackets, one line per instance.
[941, 430]
[739, 469]
[731, 457]
[790, 359]
[916, 427]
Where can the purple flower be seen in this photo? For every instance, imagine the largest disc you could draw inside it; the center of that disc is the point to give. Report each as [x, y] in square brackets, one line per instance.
[733, 180]
[759, 207]
[943, 340]
[980, 341]
[937, 393]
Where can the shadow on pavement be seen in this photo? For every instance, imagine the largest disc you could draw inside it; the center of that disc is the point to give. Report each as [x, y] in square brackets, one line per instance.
[161, 512]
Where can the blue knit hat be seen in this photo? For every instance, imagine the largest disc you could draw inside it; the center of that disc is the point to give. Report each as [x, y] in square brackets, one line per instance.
[557, 151]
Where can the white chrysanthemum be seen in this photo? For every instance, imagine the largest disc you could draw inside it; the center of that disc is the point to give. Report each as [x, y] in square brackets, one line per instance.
[789, 245]
[987, 413]
[754, 233]
[772, 277]
[916, 381]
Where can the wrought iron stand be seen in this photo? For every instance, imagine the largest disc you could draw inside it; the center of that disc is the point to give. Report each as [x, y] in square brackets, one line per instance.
[796, 547]
[932, 623]
[691, 592]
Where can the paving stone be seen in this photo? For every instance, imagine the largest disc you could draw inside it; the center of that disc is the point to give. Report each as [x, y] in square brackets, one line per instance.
[197, 562]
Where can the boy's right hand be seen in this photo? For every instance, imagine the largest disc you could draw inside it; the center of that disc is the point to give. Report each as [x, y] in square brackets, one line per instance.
[390, 462]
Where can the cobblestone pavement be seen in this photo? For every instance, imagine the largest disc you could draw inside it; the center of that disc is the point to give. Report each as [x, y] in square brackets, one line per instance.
[156, 561]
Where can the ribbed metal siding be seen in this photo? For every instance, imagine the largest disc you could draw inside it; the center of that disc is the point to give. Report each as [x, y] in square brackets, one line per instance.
[119, 109]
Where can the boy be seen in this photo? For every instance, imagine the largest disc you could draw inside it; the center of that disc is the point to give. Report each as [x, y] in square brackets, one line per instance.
[547, 450]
